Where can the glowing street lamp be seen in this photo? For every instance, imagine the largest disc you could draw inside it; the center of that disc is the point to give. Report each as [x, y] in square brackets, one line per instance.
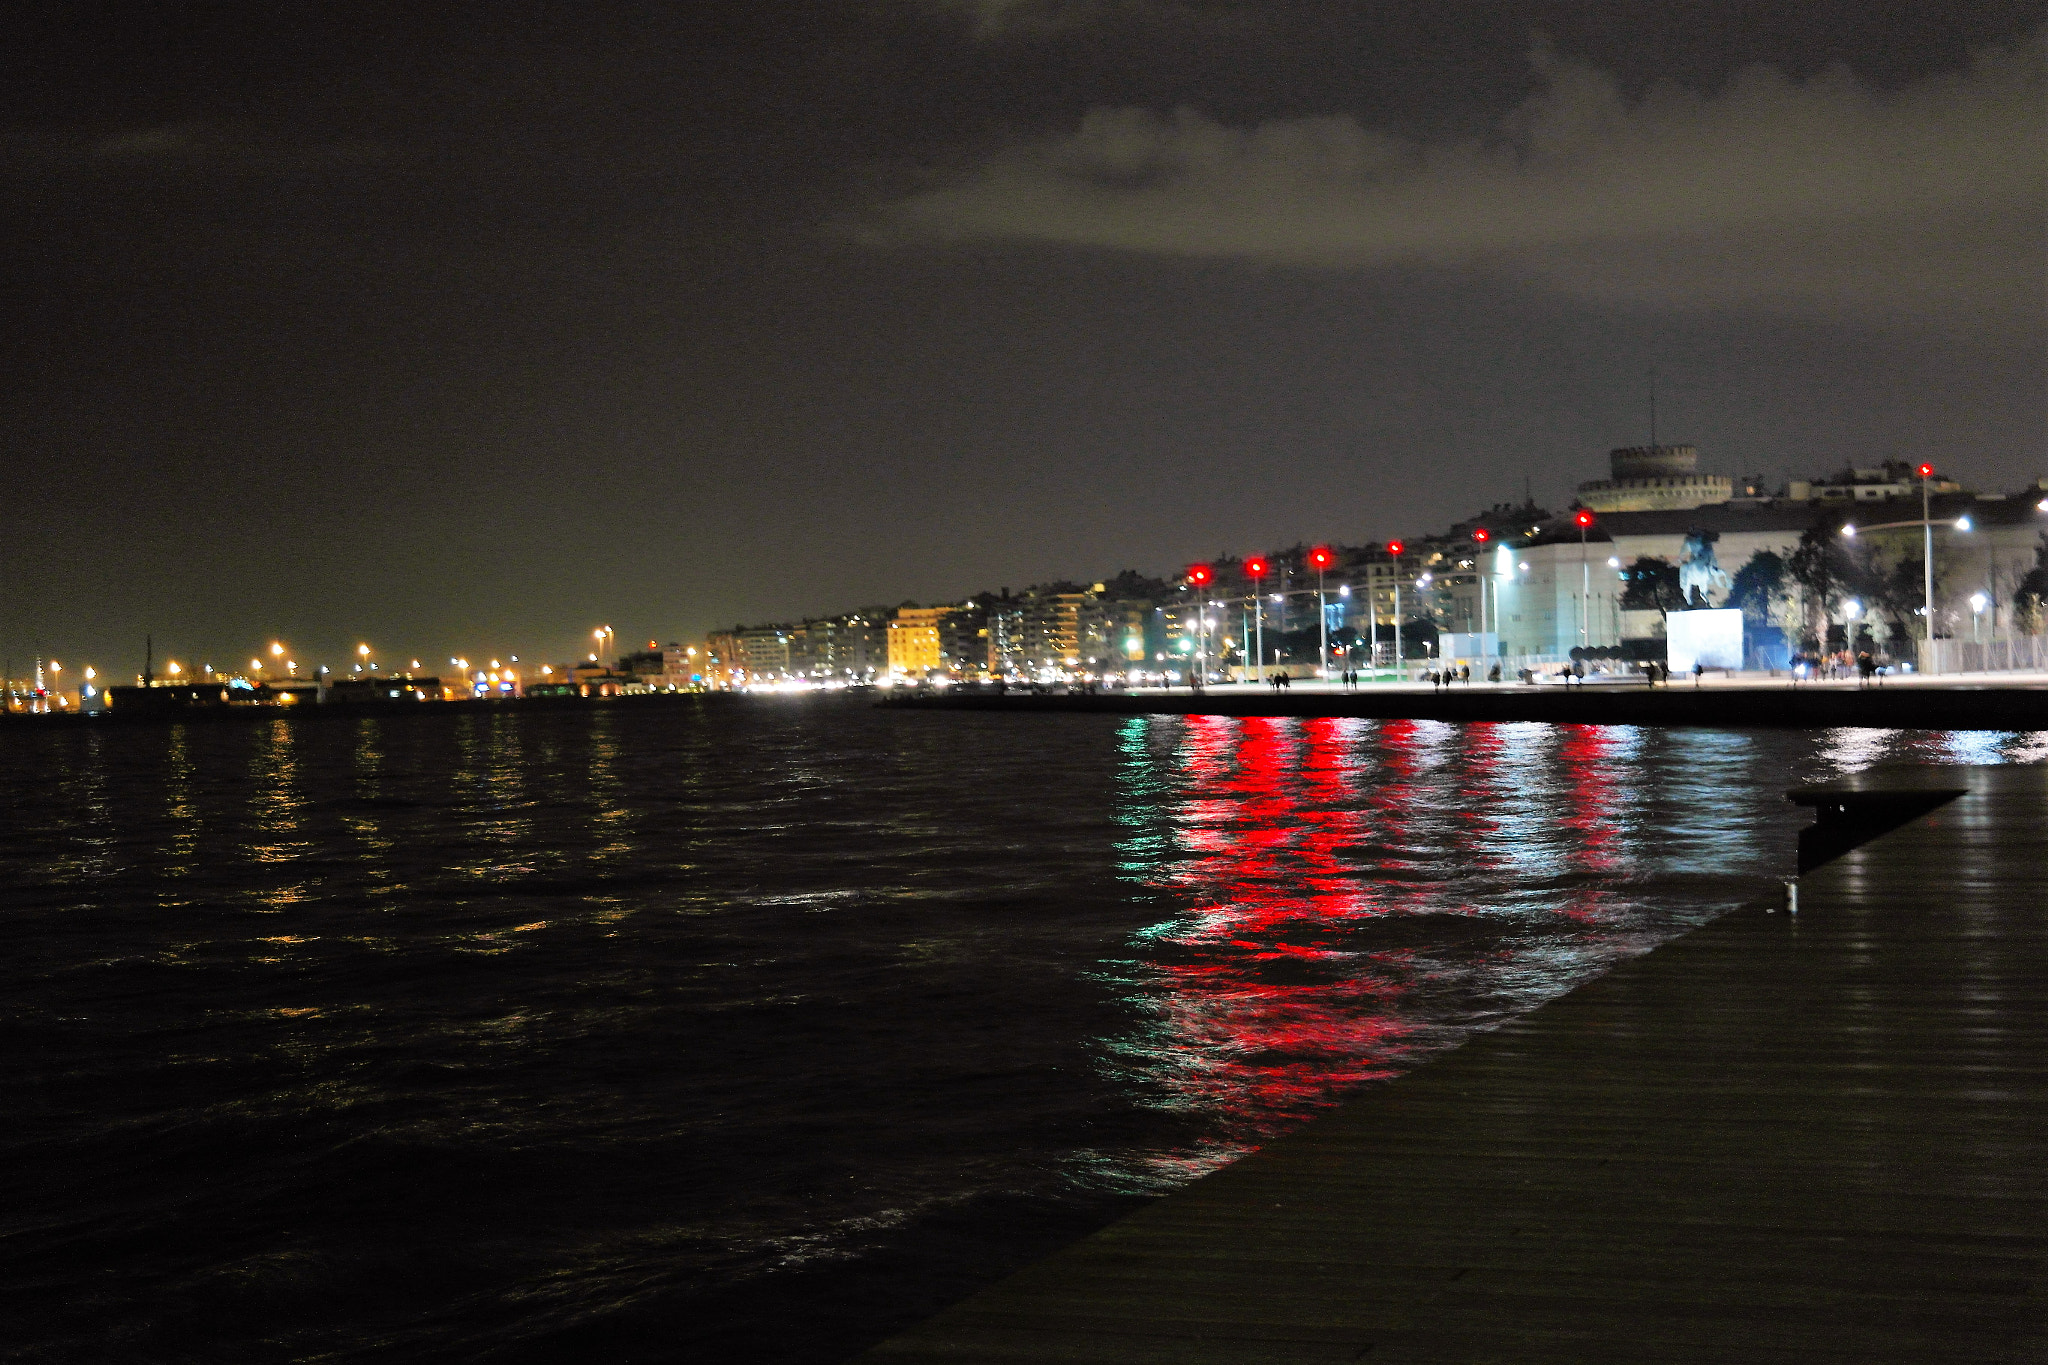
[1256, 568]
[1480, 537]
[1321, 558]
[1584, 521]
[1926, 472]
[1394, 549]
[1201, 576]
[1926, 524]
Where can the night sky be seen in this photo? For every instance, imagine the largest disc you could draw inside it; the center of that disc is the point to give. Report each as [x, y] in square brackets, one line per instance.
[467, 328]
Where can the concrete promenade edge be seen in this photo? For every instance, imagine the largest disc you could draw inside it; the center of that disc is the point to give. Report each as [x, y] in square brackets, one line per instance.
[1819, 1137]
[1812, 706]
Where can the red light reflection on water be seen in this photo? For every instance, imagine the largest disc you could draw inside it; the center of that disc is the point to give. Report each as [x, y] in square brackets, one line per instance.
[1590, 781]
[1325, 873]
[1263, 1007]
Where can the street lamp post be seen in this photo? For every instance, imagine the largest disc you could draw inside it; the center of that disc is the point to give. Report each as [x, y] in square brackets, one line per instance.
[1394, 549]
[1201, 576]
[1584, 520]
[1372, 623]
[1427, 583]
[1926, 525]
[1256, 569]
[1480, 537]
[1321, 558]
[1927, 564]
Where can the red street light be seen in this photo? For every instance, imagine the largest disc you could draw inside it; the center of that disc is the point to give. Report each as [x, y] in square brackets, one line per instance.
[1926, 471]
[1320, 559]
[1256, 567]
[1482, 535]
[1584, 519]
[1394, 548]
[1200, 576]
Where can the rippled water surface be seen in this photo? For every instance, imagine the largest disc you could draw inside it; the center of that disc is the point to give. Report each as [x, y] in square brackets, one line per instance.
[750, 1029]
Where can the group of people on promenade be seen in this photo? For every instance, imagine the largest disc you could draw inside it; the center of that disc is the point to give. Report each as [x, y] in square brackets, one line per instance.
[1865, 667]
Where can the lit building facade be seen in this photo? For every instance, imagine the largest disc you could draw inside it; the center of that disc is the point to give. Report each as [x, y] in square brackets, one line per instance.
[913, 635]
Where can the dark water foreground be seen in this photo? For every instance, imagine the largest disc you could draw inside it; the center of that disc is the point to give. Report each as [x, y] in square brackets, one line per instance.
[1777, 1140]
[755, 1029]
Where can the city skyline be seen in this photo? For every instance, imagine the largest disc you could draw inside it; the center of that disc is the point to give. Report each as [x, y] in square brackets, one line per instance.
[1774, 520]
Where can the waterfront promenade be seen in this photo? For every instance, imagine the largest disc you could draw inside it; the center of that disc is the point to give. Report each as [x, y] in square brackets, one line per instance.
[1819, 1137]
[1977, 702]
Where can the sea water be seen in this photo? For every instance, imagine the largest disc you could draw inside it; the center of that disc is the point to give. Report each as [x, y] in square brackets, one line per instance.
[751, 1029]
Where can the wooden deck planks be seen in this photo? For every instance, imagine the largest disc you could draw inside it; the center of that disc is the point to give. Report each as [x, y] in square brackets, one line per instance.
[1821, 1138]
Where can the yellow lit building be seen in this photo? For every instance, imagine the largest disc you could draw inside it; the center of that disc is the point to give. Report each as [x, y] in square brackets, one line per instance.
[914, 641]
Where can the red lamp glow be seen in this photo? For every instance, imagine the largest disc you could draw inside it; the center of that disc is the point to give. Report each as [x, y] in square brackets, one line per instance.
[1482, 535]
[1321, 558]
[1200, 575]
[1256, 567]
[1584, 518]
[1394, 548]
[1926, 471]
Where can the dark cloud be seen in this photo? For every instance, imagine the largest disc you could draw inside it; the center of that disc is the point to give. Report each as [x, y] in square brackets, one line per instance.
[1820, 197]
[1010, 18]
